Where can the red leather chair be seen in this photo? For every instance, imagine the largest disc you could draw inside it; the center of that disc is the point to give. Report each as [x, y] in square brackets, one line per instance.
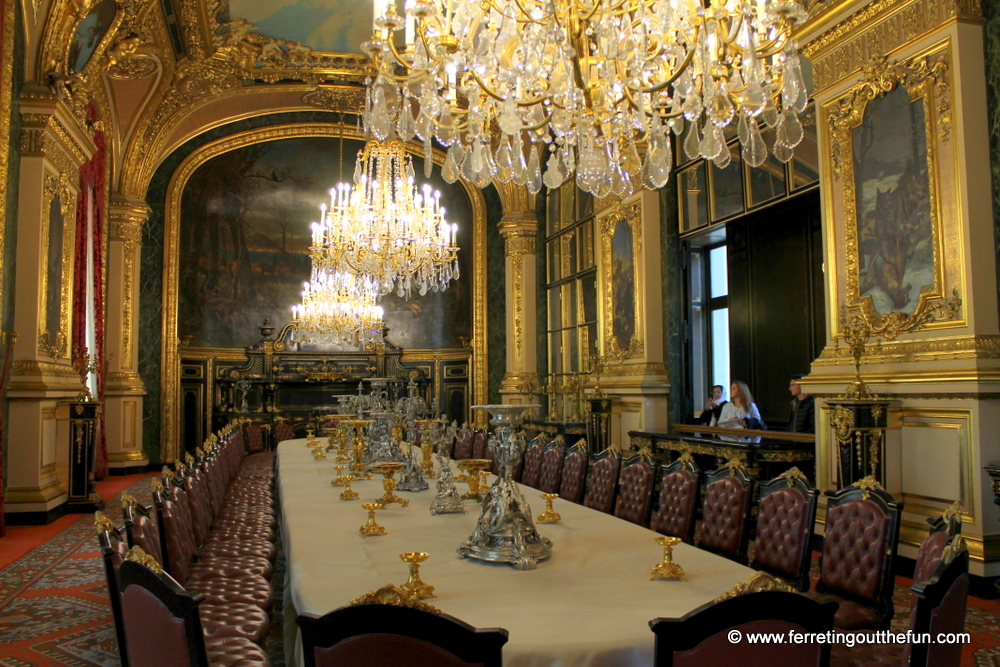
[574, 474]
[463, 445]
[680, 489]
[635, 493]
[283, 431]
[163, 626]
[725, 515]
[255, 438]
[479, 445]
[532, 471]
[862, 532]
[701, 637]
[603, 482]
[552, 467]
[938, 605]
[787, 512]
[392, 636]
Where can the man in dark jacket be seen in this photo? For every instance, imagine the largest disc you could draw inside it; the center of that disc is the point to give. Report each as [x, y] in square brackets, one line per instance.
[802, 418]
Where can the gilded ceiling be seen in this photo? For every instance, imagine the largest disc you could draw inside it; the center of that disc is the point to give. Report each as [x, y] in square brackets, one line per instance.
[337, 26]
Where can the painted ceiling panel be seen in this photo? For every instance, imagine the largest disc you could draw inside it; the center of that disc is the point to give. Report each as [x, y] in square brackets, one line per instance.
[337, 26]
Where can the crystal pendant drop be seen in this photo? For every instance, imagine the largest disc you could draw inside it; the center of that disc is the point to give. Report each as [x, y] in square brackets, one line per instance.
[381, 125]
[691, 141]
[446, 131]
[405, 127]
[534, 182]
[755, 150]
[723, 159]
[553, 174]
[710, 146]
[520, 166]
[789, 129]
[428, 158]
[449, 170]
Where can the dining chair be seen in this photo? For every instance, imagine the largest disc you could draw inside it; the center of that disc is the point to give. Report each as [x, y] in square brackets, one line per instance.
[635, 491]
[725, 515]
[552, 467]
[574, 474]
[603, 482]
[532, 470]
[284, 431]
[680, 488]
[785, 518]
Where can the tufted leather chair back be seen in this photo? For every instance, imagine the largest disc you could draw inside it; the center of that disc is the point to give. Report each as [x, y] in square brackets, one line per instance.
[574, 474]
[726, 513]
[635, 494]
[162, 626]
[284, 431]
[679, 491]
[603, 482]
[532, 472]
[174, 515]
[113, 552]
[255, 438]
[939, 605]
[463, 445]
[787, 513]
[199, 506]
[479, 445]
[142, 531]
[552, 468]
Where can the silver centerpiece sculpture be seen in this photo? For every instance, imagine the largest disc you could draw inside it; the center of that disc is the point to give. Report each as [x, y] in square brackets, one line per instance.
[505, 532]
[413, 475]
[447, 500]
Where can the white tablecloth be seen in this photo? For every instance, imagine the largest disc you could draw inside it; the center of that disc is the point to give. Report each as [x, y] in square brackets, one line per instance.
[588, 605]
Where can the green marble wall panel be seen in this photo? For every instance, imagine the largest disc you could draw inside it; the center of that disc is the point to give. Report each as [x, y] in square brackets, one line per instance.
[672, 276]
[991, 44]
[496, 295]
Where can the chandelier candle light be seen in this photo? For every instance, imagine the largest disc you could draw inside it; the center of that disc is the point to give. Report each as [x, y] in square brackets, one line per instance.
[589, 79]
[382, 232]
[334, 310]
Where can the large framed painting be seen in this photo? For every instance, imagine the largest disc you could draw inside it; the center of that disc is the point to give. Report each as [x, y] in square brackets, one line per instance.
[621, 250]
[243, 250]
[90, 32]
[885, 134]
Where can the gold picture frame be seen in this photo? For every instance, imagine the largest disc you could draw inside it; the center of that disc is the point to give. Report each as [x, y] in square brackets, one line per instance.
[621, 281]
[875, 264]
[54, 340]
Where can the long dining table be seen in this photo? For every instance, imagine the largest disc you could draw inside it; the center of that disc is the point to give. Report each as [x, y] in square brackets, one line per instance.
[589, 605]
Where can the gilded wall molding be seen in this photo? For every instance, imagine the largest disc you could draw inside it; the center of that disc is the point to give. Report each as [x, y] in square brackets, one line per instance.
[6, 103]
[924, 78]
[927, 349]
[57, 187]
[133, 68]
[30, 368]
[125, 220]
[877, 29]
[519, 243]
[45, 135]
[345, 100]
[169, 354]
[632, 214]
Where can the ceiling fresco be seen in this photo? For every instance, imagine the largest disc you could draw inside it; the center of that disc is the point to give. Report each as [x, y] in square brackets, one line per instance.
[337, 26]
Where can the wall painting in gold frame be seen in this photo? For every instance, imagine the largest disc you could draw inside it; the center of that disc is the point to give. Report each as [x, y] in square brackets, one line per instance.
[621, 288]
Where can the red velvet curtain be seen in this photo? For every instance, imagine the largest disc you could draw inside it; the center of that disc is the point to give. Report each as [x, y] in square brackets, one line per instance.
[90, 202]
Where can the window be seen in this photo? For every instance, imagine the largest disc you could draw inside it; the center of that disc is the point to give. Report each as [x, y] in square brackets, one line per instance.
[710, 195]
[708, 315]
[571, 284]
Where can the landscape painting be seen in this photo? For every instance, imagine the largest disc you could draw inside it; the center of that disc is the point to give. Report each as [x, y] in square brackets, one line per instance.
[336, 26]
[244, 246]
[892, 199]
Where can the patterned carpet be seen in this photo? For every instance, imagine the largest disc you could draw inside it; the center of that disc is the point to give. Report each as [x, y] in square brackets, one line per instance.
[54, 610]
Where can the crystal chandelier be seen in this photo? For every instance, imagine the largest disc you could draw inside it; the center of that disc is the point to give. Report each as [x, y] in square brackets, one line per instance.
[589, 79]
[382, 233]
[334, 311]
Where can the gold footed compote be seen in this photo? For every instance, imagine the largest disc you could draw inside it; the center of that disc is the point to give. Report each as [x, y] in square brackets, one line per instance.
[387, 469]
[371, 528]
[549, 515]
[474, 467]
[668, 569]
[310, 436]
[414, 586]
[463, 469]
[484, 480]
[319, 454]
[348, 493]
[427, 449]
[339, 479]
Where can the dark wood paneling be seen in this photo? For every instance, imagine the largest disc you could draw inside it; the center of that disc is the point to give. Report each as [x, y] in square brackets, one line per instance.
[776, 301]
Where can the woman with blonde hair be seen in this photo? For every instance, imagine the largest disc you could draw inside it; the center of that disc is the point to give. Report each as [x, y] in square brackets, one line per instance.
[740, 411]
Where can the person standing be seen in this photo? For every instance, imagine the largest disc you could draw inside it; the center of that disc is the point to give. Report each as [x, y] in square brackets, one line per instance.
[802, 417]
[740, 412]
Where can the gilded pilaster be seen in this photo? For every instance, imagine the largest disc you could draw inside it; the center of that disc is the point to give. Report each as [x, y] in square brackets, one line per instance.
[53, 147]
[519, 228]
[124, 389]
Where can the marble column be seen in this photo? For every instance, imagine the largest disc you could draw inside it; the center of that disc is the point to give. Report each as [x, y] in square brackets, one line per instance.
[519, 228]
[123, 389]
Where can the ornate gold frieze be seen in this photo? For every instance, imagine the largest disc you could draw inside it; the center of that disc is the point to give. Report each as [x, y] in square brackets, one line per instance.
[518, 204]
[43, 135]
[341, 98]
[26, 367]
[924, 78]
[519, 243]
[927, 349]
[879, 28]
[139, 67]
[632, 215]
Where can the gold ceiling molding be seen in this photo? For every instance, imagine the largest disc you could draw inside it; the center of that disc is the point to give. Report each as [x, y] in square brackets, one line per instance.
[132, 68]
[344, 100]
[46, 135]
[170, 348]
[924, 78]
[877, 29]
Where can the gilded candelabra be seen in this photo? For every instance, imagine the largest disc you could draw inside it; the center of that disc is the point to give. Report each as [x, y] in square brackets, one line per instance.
[856, 333]
[668, 569]
[414, 585]
[371, 527]
[348, 493]
[474, 467]
[549, 515]
[388, 469]
[339, 480]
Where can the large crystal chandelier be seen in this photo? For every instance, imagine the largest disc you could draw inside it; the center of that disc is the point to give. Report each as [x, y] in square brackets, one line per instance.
[335, 311]
[384, 234]
[588, 79]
